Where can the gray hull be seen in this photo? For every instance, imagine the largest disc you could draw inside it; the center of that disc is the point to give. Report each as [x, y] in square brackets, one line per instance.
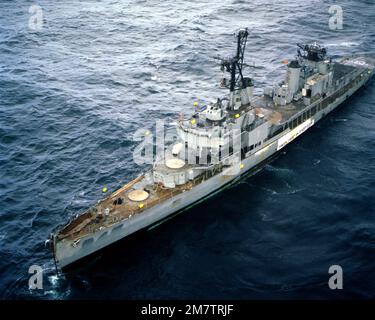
[67, 251]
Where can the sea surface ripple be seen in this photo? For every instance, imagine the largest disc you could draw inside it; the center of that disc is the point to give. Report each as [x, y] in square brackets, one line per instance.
[73, 93]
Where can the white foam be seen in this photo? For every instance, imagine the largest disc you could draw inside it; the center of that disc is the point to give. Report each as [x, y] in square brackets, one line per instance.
[346, 44]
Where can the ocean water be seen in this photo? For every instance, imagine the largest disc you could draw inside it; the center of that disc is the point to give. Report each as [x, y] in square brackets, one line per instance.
[73, 93]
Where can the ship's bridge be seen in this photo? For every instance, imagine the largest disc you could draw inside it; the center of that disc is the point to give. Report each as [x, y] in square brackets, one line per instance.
[210, 127]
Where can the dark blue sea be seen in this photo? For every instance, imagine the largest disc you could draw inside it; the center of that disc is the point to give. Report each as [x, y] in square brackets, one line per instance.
[73, 92]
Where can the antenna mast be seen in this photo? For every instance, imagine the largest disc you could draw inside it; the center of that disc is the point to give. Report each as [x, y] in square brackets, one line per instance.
[234, 65]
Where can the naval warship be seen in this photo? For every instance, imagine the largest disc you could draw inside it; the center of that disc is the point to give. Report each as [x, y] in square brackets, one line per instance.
[233, 136]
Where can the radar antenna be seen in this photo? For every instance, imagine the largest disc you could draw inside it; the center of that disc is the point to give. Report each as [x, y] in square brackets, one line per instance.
[312, 52]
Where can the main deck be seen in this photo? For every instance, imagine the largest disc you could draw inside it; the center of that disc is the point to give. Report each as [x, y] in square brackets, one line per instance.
[118, 207]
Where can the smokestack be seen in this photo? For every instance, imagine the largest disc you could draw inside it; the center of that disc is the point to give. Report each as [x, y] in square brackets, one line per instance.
[293, 76]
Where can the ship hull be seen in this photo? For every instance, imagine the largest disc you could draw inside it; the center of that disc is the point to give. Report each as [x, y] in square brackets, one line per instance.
[68, 251]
